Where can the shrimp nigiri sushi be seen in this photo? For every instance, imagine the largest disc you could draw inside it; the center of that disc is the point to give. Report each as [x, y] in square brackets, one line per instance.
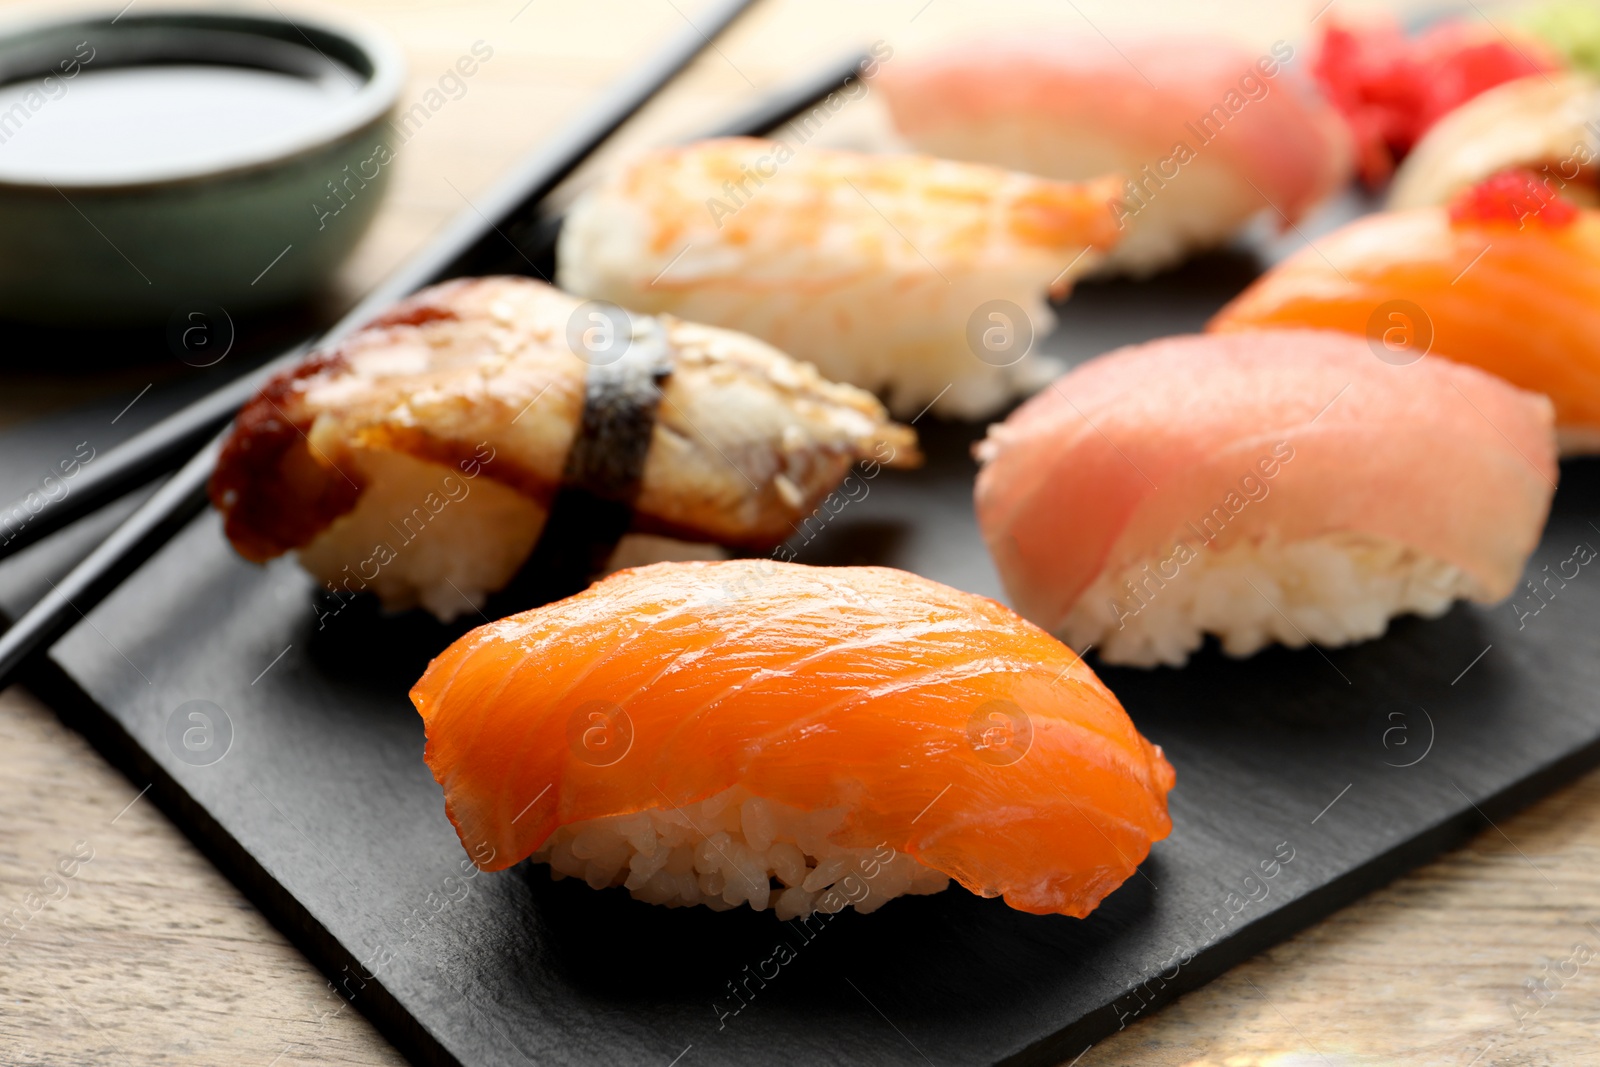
[1549, 124]
[792, 737]
[1502, 279]
[1209, 134]
[1274, 486]
[420, 458]
[884, 271]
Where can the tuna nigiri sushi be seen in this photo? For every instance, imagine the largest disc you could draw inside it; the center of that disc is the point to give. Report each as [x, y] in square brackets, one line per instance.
[881, 270]
[1275, 486]
[1502, 279]
[1209, 135]
[419, 459]
[837, 736]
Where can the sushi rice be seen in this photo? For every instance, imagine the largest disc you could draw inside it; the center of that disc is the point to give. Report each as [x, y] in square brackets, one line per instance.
[1330, 590]
[728, 850]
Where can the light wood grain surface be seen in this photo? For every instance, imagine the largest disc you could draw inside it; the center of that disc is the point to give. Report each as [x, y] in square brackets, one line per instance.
[144, 954]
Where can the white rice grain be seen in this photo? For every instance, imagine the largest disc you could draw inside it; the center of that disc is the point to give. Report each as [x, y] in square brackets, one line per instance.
[1329, 590]
[734, 849]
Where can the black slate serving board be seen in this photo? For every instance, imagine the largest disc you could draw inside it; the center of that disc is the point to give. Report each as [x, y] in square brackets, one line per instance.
[1304, 780]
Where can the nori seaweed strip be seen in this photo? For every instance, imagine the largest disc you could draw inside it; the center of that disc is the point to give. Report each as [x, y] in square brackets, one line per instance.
[594, 506]
[619, 418]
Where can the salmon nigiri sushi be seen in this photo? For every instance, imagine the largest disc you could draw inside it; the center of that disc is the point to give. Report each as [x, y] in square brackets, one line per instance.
[791, 737]
[884, 271]
[1208, 134]
[423, 458]
[1274, 486]
[1506, 278]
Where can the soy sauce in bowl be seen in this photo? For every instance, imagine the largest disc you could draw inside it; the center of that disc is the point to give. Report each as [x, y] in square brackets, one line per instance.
[140, 123]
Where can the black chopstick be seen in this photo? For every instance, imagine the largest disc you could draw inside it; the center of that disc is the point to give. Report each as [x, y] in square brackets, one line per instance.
[473, 231]
[136, 461]
[476, 235]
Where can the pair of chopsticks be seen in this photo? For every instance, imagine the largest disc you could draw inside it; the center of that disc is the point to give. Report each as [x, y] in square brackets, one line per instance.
[475, 237]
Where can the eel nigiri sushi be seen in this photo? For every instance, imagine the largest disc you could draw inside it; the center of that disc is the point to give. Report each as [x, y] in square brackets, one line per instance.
[1210, 135]
[1549, 124]
[419, 458]
[881, 270]
[837, 736]
[1502, 279]
[1274, 486]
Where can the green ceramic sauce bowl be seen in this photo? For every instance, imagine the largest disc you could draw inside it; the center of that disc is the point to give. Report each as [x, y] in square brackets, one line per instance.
[239, 213]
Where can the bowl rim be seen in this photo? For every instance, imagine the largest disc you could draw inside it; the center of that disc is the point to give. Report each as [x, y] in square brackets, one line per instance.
[371, 103]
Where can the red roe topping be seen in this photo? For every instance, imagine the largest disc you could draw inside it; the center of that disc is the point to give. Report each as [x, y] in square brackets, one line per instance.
[1391, 88]
[1512, 196]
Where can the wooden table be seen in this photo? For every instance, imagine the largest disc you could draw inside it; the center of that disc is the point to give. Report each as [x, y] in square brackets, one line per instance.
[147, 955]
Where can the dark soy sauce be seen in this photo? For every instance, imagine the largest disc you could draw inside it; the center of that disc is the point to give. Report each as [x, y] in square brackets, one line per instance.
[142, 122]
